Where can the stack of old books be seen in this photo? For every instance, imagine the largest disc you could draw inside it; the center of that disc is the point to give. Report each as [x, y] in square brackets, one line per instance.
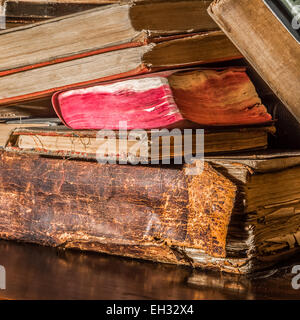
[169, 134]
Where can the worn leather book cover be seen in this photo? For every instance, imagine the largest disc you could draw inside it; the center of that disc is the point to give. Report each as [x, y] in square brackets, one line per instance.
[185, 13]
[266, 43]
[241, 214]
[85, 204]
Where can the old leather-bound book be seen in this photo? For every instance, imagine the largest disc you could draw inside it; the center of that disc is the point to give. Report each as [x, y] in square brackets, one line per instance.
[266, 42]
[183, 14]
[82, 50]
[102, 29]
[31, 83]
[240, 214]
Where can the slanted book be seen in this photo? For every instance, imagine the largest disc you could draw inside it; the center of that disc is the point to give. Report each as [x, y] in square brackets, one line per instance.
[266, 43]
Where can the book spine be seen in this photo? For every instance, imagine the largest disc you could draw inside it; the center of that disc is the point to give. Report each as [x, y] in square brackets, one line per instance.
[265, 43]
[118, 209]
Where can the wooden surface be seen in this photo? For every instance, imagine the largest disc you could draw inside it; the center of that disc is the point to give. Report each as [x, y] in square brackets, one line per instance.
[35, 272]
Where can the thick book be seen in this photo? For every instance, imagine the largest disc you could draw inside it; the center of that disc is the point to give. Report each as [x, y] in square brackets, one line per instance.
[154, 15]
[240, 215]
[80, 34]
[41, 80]
[266, 43]
[145, 147]
[224, 97]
